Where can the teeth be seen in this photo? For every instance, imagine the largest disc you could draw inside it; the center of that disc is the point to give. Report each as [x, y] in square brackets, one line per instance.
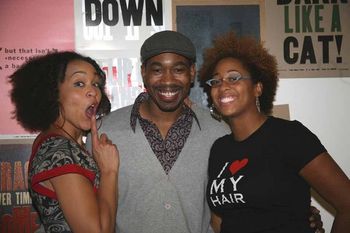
[168, 93]
[226, 99]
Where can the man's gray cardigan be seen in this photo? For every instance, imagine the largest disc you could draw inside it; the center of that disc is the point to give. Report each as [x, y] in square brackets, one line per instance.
[151, 201]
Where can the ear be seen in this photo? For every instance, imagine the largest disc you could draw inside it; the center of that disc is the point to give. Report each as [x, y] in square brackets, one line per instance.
[143, 72]
[61, 116]
[258, 89]
[193, 72]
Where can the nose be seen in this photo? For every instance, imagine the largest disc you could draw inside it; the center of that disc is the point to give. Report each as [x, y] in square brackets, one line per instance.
[167, 76]
[91, 92]
[224, 84]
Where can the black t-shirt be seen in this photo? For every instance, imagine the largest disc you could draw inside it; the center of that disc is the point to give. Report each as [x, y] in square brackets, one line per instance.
[254, 185]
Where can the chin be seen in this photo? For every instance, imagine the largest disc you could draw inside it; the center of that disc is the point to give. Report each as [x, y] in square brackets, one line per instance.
[85, 127]
[169, 107]
[228, 114]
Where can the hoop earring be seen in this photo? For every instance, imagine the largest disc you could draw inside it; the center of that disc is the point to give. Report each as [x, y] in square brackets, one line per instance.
[257, 103]
[214, 113]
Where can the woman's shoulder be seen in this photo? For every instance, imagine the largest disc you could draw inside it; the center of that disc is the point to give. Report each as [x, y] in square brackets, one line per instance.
[47, 142]
[284, 124]
[227, 138]
[54, 148]
[290, 130]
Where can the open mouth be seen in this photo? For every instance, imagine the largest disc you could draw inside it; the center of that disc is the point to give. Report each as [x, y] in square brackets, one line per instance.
[91, 110]
[168, 94]
[227, 99]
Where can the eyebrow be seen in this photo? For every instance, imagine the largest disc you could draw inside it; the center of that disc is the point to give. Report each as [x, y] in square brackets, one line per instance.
[155, 63]
[188, 64]
[78, 72]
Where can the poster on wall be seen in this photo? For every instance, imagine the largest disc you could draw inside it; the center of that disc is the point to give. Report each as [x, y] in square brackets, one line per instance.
[202, 21]
[112, 32]
[309, 38]
[28, 29]
[16, 211]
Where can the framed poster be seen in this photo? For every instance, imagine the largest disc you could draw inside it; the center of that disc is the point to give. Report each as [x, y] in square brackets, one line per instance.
[203, 20]
[112, 32]
[310, 39]
[29, 29]
[16, 211]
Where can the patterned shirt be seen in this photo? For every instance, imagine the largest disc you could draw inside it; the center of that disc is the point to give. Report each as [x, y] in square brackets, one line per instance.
[166, 150]
[53, 156]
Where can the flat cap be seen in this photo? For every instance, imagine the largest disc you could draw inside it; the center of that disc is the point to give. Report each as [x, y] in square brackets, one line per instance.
[168, 42]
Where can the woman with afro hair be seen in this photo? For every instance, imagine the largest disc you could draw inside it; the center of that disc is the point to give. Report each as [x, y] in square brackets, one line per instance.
[260, 175]
[59, 95]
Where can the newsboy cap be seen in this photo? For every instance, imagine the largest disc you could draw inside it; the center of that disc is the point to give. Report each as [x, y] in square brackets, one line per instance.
[168, 42]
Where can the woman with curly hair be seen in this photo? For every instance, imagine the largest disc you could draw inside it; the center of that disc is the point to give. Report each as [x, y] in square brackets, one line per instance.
[59, 96]
[260, 175]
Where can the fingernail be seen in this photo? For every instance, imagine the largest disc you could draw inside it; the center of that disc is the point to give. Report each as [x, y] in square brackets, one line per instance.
[98, 116]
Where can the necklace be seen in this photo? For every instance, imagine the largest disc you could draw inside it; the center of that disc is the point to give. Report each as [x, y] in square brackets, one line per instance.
[82, 146]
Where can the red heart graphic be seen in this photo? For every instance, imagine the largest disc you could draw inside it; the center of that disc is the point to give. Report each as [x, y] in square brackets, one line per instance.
[237, 165]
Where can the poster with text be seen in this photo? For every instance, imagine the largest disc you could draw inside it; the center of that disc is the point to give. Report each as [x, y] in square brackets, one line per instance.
[112, 32]
[28, 29]
[16, 211]
[309, 38]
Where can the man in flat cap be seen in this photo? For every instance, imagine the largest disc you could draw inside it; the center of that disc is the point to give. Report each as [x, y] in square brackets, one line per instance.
[163, 144]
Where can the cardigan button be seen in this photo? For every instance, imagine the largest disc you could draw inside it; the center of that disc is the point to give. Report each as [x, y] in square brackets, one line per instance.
[167, 206]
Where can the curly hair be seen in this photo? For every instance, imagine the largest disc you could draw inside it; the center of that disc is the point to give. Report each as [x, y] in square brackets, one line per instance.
[254, 57]
[35, 91]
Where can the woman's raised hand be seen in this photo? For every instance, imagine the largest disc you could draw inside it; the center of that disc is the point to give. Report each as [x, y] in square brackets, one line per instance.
[104, 151]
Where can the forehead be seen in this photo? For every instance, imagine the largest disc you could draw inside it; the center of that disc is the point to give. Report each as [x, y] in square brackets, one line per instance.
[229, 64]
[79, 66]
[167, 59]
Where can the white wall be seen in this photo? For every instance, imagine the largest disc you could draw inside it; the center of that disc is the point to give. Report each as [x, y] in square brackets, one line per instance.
[322, 105]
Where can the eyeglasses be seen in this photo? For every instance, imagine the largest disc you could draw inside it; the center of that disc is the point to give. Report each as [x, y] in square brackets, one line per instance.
[231, 79]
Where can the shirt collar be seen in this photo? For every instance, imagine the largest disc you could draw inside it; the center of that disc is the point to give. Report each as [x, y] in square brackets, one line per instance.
[135, 113]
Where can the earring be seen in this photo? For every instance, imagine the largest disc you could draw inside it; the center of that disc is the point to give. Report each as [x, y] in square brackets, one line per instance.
[257, 103]
[214, 113]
